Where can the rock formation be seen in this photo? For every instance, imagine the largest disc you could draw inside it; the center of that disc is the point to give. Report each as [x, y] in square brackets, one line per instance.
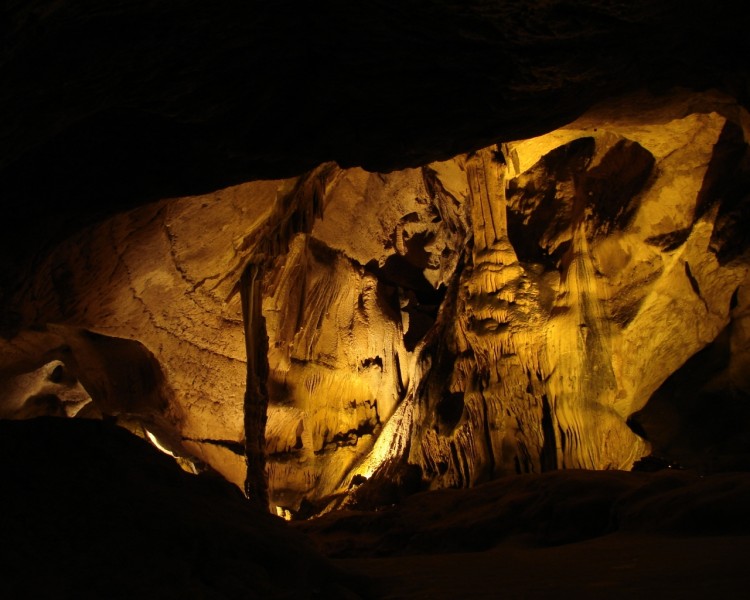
[343, 253]
[504, 311]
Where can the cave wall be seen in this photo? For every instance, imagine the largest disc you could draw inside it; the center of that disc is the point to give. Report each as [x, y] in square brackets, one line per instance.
[162, 275]
[587, 270]
[596, 281]
[346, 309]
[503, 311]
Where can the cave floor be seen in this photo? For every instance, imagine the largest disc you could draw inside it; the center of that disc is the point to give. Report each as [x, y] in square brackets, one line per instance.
[582, 534]
[618, 565]
[88, 510]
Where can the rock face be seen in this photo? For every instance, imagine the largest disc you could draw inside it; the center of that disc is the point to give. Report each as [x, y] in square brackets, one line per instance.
[504, 311]
[583, 294]
[160, 276]
[584, 270]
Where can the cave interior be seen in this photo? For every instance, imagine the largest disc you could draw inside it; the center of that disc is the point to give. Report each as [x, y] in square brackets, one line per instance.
[380, 300]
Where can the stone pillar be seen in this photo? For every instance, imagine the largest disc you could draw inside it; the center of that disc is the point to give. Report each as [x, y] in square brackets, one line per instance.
[256, 393]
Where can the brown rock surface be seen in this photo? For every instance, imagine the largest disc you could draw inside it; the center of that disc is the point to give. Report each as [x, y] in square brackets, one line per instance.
[162, 276]
[477, 287]
[502, 312]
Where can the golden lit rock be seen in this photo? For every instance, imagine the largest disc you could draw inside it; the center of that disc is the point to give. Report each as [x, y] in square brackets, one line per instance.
[502, 312]
[601, 284]
[160, 275]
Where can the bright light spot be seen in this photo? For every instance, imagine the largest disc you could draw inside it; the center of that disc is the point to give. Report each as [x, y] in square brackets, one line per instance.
[152, 438]
[390, 442]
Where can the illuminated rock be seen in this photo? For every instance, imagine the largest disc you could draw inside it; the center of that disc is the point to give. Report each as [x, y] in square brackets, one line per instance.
[162, 275]
[346, 308]
[343, 338]
[594, 273]
[501, 312]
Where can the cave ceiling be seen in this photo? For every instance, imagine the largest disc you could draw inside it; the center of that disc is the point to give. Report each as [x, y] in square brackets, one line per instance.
[480, 236]
[104, 107]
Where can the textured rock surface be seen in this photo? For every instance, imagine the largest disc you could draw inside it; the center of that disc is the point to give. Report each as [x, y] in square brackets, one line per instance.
[600, 283]
[499, 311]
[505, 311]
[163, 276]
[346, 308]
[601, 277]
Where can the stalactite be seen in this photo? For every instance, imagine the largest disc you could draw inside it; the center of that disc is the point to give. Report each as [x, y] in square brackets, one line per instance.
[294, 214]
[256, 391]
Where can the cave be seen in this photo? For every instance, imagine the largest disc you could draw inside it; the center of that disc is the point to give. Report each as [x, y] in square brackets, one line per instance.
[374, 300]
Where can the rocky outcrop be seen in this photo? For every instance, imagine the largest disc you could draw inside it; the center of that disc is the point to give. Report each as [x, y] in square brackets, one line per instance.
[575, 253]
[468, 274]
[560, 336]
[346, 308]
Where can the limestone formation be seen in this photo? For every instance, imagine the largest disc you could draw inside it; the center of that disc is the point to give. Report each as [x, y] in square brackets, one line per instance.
[504, 311]
[163, 276]
[582, 302]
[460, 287]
